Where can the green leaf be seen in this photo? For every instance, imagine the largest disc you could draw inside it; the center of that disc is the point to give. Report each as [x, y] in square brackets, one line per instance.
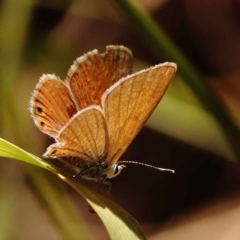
[119, 223]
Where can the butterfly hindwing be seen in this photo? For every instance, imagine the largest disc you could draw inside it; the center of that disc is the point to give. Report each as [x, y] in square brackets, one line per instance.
[84, 139]
[130, 102]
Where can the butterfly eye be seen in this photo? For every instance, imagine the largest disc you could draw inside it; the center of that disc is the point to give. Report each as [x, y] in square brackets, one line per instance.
[116, 169]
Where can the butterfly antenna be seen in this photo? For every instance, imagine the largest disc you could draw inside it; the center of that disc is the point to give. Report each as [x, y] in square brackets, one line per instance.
[147, 165]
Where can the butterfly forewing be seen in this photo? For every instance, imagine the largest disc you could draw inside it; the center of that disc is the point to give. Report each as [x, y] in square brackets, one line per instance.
[85, 137]
[129, 103]
[51, 105]
[93, 73]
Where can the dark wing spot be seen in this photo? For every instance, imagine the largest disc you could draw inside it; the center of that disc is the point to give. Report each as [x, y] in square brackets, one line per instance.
[42, 124]
[39, 110]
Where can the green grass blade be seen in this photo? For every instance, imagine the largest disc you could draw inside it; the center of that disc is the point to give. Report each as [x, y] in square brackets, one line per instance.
[119, 224]
[9, 150]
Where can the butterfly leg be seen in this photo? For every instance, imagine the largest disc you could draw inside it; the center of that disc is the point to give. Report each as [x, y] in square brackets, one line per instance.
[75, 175]
[102, 181]
[109, 186]
[80, 173]
[89, 170]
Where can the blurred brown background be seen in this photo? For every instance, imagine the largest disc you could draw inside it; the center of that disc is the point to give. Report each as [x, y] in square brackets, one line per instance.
[200, 201]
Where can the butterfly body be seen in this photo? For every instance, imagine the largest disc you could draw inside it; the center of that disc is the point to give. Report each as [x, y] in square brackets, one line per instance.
[101, 172]
[98, 110]
[94, 170]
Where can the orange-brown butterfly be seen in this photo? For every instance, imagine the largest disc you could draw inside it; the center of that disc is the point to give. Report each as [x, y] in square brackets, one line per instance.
[98, 110]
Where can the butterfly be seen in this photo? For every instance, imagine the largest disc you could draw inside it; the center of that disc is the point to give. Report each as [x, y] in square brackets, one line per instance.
[98, 110]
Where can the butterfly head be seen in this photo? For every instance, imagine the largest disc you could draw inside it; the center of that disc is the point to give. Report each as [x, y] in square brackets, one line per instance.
[114, 170]
[101, 172]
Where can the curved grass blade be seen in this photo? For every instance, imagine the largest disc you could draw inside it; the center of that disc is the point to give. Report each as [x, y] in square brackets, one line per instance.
[119, 224]
[9, 150]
